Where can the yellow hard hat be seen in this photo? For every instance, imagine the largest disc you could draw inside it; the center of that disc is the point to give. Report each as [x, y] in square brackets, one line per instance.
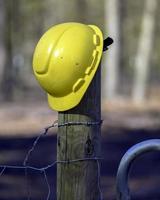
[65, 61]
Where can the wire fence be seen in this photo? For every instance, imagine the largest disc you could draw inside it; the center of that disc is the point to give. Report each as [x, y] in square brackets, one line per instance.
[26, 166]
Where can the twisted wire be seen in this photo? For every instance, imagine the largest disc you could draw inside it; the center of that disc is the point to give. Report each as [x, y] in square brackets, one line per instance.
[43, 169]
[36, 141]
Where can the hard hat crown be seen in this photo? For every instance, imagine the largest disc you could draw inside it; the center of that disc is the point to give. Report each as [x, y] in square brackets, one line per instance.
[65, 61]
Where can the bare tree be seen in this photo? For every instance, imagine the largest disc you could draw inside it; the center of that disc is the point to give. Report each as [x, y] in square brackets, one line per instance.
[81, 10]
[2, 46]
[7, 78]
[143, 57]
[112, 60]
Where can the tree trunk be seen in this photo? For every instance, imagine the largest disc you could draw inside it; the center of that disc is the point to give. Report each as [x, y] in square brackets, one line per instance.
[81, 10]
[112, 60]
[7, 78]
[2, 47]
[144, 51]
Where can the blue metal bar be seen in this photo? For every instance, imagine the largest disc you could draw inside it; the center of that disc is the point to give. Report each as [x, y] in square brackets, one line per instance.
[126, 162]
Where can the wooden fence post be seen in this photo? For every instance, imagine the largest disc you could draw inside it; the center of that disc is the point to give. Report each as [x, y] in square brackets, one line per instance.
[79, 180]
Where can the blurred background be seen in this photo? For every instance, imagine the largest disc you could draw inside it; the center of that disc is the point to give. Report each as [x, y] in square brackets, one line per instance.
[130, 90]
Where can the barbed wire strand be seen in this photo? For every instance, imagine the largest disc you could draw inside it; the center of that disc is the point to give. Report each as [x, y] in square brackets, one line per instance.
[36, 141]
[43, 169]
[91, 123]
[55, 124]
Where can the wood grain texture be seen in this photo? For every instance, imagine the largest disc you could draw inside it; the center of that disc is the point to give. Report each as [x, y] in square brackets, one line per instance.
[78, 181]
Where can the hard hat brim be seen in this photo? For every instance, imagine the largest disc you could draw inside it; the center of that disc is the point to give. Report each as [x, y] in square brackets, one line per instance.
[72, 99]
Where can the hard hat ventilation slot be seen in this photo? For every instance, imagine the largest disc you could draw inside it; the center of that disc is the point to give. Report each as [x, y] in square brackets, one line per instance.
[88, 70]
[78, 84]
[95, 60]
[96, 40]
